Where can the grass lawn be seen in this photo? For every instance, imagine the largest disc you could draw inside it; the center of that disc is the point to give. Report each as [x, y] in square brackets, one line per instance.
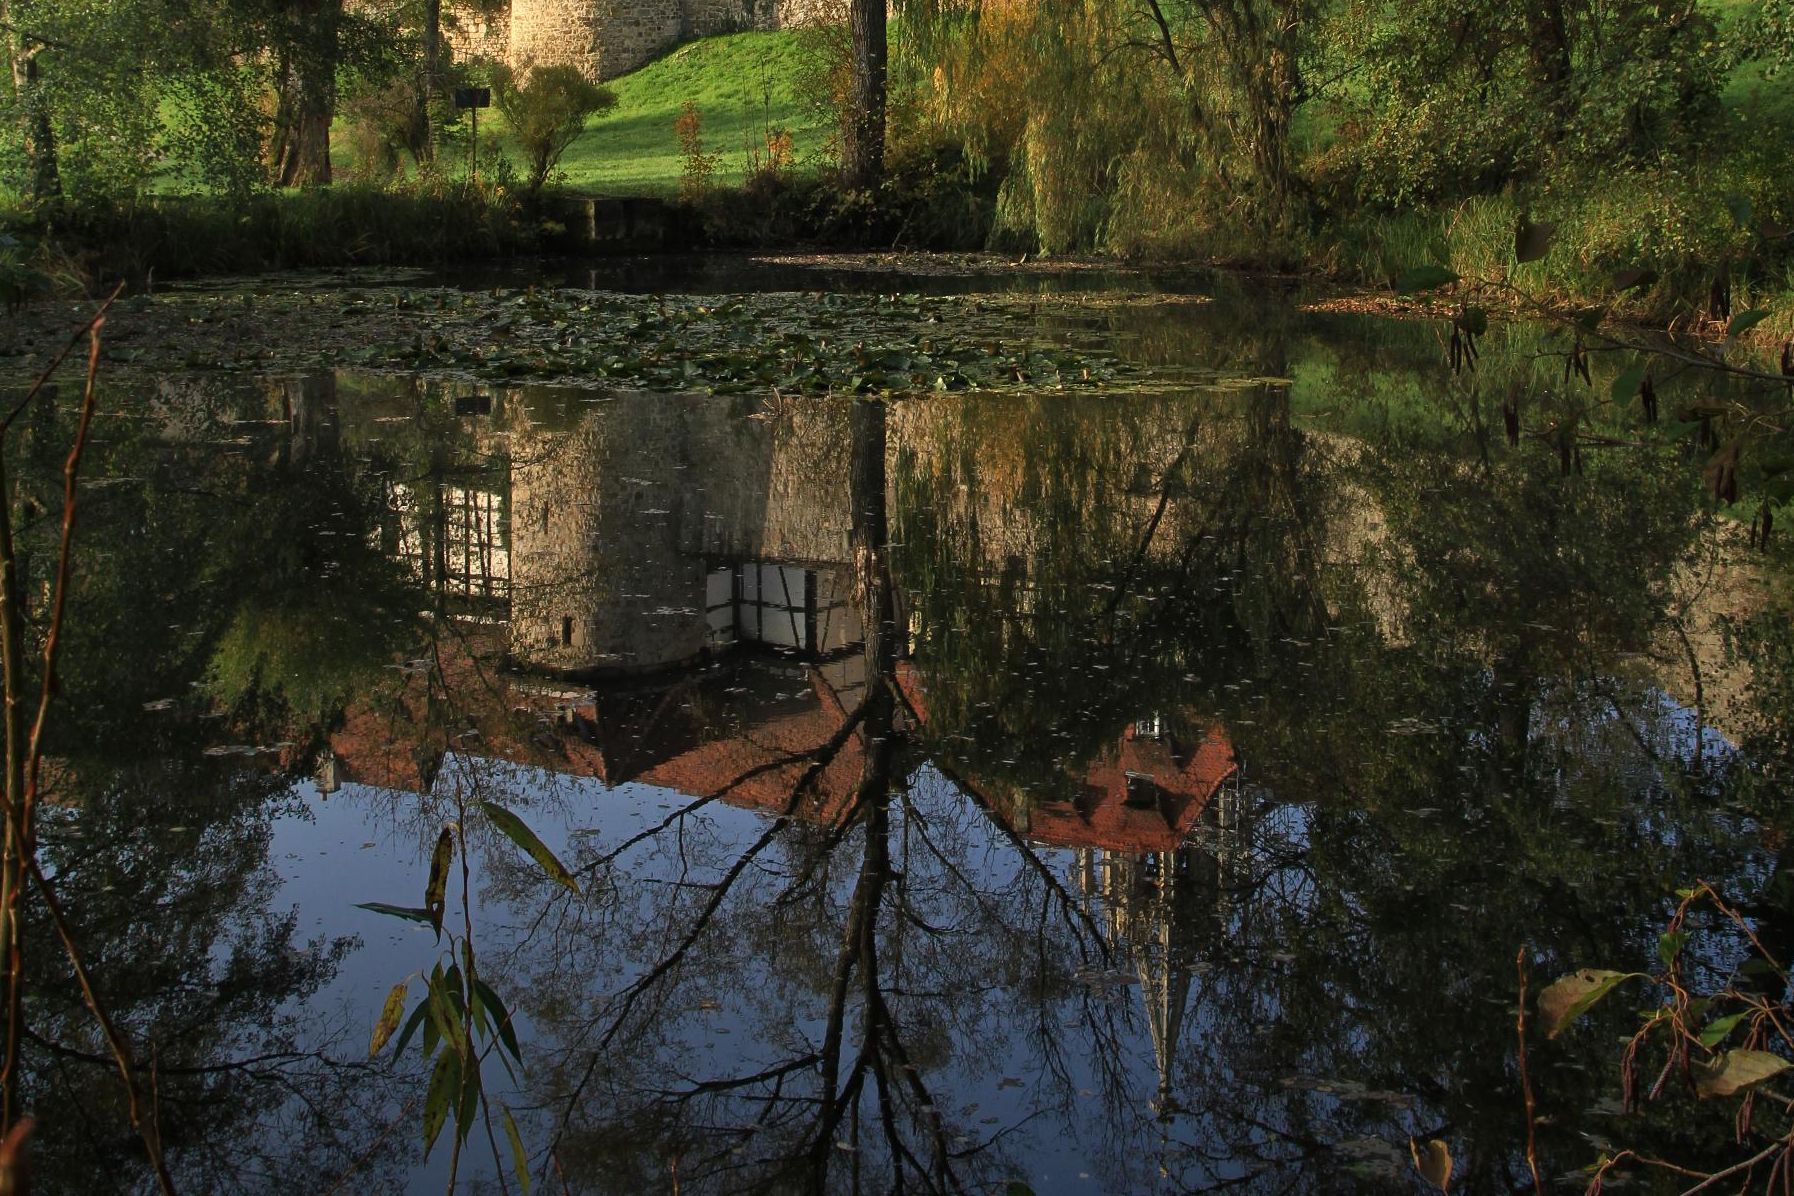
[743, 84]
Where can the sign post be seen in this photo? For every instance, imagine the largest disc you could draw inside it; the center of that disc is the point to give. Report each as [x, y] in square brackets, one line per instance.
[473, 99]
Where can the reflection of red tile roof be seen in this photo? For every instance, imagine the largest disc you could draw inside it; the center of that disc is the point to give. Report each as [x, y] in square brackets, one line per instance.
[632, 739]
[1181, 784]
[1176, 783]
[705, 769]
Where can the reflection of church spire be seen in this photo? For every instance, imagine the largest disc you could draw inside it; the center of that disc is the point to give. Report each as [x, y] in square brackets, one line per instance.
[1160, 909]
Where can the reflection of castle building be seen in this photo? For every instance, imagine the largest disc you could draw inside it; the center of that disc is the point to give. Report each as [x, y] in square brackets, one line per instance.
[650, 534]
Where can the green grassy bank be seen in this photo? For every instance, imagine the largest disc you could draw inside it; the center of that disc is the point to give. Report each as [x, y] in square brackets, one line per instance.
[744, 86]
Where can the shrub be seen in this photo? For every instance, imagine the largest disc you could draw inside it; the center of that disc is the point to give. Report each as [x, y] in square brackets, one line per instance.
[694, 180]
[546, 108]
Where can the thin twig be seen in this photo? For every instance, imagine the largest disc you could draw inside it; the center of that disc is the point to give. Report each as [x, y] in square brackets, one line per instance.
[1532, 1154]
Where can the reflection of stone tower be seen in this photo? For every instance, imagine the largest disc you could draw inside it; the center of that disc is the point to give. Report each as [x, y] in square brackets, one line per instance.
[598, 580]
[648, 531]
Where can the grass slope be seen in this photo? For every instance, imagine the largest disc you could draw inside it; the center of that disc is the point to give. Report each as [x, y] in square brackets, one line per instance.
[743, 84]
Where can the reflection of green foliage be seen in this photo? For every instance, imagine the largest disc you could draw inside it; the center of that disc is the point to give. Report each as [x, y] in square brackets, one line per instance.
[314, 659]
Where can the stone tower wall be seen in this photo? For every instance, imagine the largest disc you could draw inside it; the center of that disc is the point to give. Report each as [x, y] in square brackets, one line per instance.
[472, 33]
[607, 38]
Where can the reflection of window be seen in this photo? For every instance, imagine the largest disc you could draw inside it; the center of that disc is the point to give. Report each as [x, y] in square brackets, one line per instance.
[1142, 790]
[1150, 727]
[566, 631]
[783, 606]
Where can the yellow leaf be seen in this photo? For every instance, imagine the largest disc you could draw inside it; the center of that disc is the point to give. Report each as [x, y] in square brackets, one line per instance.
[1433, 1161]
[389, 1018]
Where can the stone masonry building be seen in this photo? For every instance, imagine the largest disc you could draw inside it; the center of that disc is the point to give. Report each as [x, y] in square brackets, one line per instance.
[607, 38]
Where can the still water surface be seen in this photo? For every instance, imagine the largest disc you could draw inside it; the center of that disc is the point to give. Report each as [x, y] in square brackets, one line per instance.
[1138, 790]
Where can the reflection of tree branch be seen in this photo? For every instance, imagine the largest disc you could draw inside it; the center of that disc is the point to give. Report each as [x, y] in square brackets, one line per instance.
[820, 758]
[1069, 905]
[770, 1074]
[832, 745]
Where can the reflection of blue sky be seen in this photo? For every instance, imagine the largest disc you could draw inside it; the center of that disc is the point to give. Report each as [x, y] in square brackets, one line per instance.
[370, 845]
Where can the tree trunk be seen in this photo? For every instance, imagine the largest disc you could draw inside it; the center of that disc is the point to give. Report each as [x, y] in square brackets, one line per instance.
[863, 148]
[44, 178]
[308, 96]
[432, 87]
[1548, 37]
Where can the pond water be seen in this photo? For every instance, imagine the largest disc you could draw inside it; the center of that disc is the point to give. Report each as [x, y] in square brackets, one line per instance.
[1145, 786]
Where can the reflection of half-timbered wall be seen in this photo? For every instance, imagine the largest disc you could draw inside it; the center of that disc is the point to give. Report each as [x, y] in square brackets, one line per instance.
[455, 539]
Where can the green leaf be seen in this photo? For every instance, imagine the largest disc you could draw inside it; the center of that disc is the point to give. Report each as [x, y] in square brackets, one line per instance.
[1569, 997]
[1736, 1071]
[1744, 321]
[1629, 383]
[445, 1083]
[519, 1160]
[397, 911]
[1532, 240]
[1589, 318]
[472, 1093]
[411, 1024]
[435, 893]
[501, 1017]
[517, 832]
[444, 1020]
[1433, 1162]
[1474, 320]
[1669, 945]
[389, 1017]
[1716, 1030]
[1423, 278]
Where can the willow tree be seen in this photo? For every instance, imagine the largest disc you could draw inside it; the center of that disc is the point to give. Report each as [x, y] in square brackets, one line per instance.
[1115, 120]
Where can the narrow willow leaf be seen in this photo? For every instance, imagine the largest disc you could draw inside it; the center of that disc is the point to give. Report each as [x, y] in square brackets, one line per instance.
[1570, 997]
[443, 1020]
[1735, 1071]
[1433, 1162]
[1532, 240]
[467, 1110]
[1744, 321]
[501, 1017]
[453, 993]
[1716, 1030]
[445, 1083]
[519, 1160]
[517, 832]
[389, 1017]
[1423, 278]
[397, 911]
[1629, 383]
[411, 1024]
[436, 892]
